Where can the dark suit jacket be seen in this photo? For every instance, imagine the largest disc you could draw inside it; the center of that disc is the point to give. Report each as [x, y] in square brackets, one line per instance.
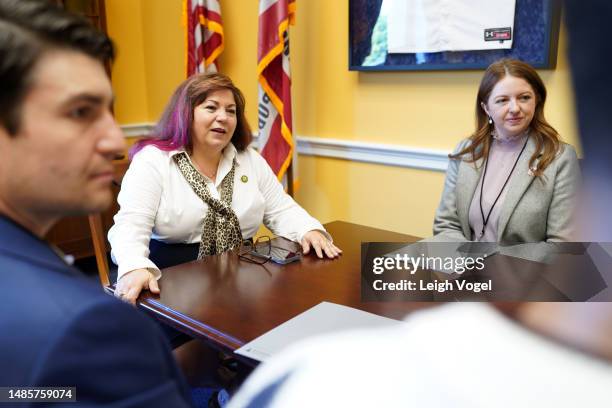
[57, 328]
[590, 54]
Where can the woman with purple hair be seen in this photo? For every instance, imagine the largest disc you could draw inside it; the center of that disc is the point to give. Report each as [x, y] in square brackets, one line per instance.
[196, 188]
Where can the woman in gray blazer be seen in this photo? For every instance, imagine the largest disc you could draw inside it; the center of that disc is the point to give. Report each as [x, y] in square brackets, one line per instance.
[513, 180]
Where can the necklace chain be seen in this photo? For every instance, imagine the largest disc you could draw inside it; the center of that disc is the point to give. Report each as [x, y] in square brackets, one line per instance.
[500, 139]
[485, 220]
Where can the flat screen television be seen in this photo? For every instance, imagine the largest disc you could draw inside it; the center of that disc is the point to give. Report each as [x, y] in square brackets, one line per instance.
[535, 36]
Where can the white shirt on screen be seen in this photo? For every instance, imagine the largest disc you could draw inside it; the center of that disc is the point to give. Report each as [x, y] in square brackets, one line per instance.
[157, 202]
[415, 26]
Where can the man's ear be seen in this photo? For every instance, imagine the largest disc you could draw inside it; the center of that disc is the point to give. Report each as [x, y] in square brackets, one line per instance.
[6, 138]
[4, 134]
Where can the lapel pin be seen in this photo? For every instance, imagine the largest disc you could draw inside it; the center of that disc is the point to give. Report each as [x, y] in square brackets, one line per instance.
[532, 170]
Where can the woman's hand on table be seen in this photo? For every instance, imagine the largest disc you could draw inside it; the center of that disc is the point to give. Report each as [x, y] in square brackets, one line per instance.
[317, 241]
[132, 283]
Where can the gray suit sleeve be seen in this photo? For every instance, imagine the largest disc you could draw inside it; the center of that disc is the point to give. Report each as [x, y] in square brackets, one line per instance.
[447, 226]
[561, 220]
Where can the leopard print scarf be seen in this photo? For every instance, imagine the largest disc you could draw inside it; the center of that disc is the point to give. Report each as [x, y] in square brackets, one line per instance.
[221, 231]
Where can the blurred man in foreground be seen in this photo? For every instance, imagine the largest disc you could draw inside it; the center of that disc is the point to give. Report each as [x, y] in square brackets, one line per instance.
[57, 140]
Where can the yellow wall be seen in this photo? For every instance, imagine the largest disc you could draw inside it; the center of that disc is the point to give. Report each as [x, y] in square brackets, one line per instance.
[124, 24]
[418, 109]
[239, 59]
[164, 51]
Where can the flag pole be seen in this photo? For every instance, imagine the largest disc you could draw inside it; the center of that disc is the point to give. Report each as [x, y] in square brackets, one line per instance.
[290, 179]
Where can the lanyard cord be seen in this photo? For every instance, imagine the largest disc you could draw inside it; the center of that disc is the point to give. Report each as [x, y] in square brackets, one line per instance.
[485, 221]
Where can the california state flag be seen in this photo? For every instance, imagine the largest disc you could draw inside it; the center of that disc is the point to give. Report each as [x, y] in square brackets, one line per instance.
[274, 77]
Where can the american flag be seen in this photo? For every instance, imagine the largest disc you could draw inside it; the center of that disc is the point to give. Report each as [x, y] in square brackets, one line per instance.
[274, 77]
[204, 35]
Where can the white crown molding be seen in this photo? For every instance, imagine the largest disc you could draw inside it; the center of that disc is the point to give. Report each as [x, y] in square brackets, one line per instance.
[377, 153]
[137, 129]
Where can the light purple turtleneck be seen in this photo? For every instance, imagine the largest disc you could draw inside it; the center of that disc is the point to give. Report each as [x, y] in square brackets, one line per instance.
[502, 156]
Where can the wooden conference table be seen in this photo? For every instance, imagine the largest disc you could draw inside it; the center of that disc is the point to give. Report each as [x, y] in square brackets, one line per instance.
[229, 302]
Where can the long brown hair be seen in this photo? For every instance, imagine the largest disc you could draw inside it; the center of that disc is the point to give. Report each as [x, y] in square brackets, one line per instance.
[545, 136]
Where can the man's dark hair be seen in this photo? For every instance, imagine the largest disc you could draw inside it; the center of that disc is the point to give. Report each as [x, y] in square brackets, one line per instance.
[29, 28]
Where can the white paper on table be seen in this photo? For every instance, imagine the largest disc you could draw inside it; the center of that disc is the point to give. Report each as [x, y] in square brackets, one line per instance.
[323, 318]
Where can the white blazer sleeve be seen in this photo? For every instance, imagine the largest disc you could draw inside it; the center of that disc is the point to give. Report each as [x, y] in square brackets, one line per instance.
[138, 200]
[282, 215]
